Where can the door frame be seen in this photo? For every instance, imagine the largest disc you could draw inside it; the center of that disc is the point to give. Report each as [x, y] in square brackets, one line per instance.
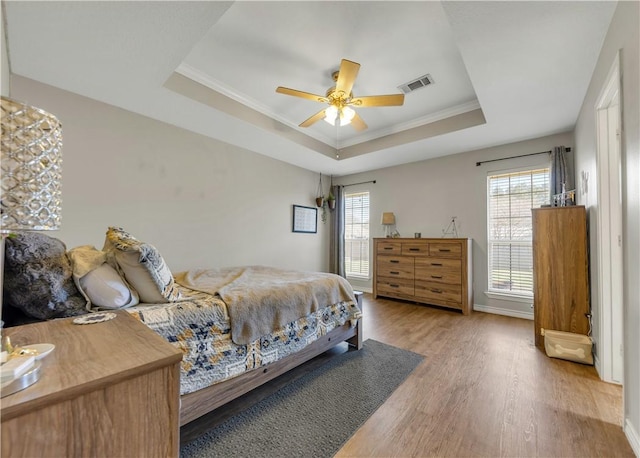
[610, 362]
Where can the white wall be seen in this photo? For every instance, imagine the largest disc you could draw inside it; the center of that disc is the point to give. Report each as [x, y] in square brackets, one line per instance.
[425, 195]
[4, 91]
[201, 202]
[622, 36]
[4, 62]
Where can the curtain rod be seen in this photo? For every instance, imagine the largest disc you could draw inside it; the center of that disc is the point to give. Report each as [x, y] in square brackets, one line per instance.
[354, 184]
[513, 157]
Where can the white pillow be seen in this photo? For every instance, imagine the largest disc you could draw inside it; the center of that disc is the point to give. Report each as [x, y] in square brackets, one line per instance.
[106, 289]
[138, 276]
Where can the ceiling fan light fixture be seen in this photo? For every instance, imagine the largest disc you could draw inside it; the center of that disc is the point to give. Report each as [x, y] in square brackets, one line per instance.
[330, 115]
[340, 96]
[345, 114]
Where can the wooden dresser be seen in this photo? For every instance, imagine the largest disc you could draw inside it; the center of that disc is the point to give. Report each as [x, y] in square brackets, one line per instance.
[560, 270]
[108, 389]
[429, 271]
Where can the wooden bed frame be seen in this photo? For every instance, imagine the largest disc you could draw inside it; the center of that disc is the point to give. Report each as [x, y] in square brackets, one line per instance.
[196, 404]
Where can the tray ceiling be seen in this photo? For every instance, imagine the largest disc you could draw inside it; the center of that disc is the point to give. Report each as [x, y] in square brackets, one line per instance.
[502, 71]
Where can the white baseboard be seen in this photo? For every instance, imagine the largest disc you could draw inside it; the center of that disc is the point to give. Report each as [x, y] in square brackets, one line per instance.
[597, 366]
[501, 311]
[632, 437]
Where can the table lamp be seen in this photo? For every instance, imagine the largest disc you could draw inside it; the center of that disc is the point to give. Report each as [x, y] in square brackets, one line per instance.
[31, 166]
[388, 220]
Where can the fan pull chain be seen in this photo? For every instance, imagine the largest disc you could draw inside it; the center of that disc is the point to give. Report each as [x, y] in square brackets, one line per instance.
[337, 142]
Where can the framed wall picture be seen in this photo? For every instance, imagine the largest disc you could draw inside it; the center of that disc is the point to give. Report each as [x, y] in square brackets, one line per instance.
[305, 219]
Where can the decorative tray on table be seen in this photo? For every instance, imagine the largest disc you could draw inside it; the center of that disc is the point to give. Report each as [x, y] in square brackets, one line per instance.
[21, 382]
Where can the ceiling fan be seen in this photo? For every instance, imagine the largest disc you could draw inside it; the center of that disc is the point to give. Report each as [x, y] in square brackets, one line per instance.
[341, 99]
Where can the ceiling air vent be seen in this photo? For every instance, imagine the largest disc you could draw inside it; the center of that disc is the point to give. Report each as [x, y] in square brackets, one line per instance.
[416, 84]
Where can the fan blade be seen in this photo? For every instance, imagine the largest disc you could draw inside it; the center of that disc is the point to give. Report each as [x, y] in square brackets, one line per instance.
[313, 119]
[347, 76]
[304, 95]
[358, 123]
[378, 100]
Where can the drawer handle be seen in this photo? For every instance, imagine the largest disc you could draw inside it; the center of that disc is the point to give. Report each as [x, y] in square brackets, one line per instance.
[436, 276]
[388, 248]
[444, 250]
[414, 249]
[394, 261]
[436, 264]
[394, 273]
[394, 286]
[437, 291]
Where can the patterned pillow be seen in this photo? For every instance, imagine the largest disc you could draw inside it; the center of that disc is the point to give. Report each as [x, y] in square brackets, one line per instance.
[141, 265]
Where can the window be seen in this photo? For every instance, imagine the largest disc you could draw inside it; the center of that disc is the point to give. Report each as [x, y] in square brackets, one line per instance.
[511, 196]
[356, 234]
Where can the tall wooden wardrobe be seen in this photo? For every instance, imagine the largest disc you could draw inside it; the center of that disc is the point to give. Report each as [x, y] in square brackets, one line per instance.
[560, 270]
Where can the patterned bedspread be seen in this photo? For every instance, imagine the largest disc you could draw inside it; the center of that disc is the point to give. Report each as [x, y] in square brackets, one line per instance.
[199, 326]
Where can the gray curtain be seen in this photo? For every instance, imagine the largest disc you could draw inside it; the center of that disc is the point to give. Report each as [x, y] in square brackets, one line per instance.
[336, 244]
[560, 171]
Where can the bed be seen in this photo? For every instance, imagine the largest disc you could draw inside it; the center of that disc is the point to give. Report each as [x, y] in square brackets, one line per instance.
[237, 328]
[215, 369]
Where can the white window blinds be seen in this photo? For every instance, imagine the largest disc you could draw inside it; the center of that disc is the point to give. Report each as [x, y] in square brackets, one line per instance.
[356, 234]
[511, 196]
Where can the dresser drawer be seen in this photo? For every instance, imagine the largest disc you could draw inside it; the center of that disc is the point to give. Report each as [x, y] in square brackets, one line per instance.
[395, 267]
[399, 287]
[439, 293]
[415, 249]
[446, 250]
[389, 247]
[439, 270]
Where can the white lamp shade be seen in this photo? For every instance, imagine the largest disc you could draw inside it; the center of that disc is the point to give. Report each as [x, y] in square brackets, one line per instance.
[31, 168]
[347, 115]
[330, 115]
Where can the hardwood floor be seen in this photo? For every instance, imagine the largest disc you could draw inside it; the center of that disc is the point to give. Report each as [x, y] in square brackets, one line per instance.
[484, 389]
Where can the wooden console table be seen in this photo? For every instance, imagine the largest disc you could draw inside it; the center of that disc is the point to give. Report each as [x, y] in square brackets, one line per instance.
[108, 389]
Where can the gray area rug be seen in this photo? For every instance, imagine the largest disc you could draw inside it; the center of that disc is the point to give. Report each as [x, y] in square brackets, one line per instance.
[316, 414]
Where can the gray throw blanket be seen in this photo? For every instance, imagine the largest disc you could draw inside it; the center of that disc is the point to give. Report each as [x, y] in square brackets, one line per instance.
[261, 300]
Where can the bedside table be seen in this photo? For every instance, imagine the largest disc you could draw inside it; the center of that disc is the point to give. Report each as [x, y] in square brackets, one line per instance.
[109, 389]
